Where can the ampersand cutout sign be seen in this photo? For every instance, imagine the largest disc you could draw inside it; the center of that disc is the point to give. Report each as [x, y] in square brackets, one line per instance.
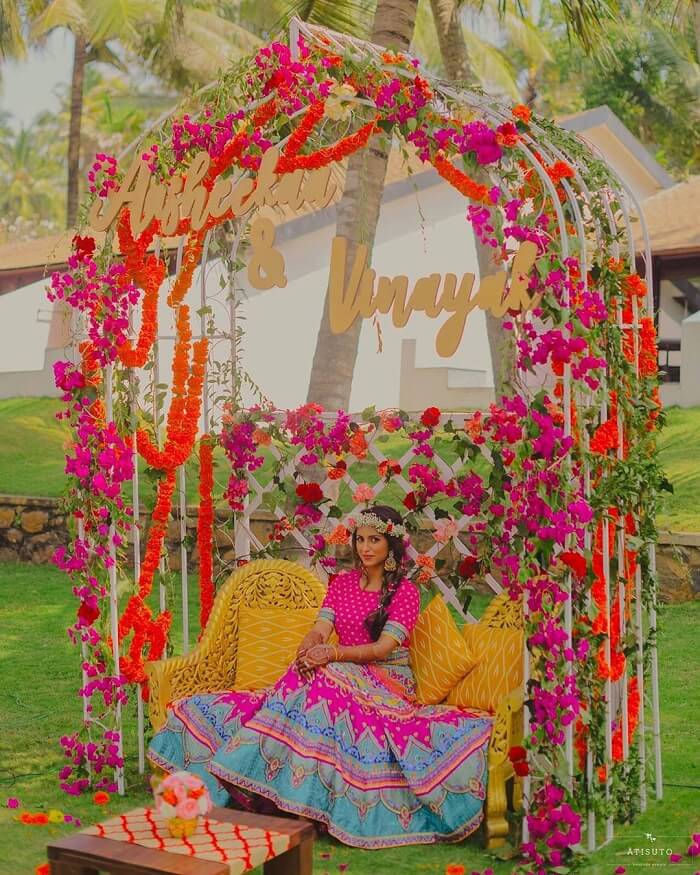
[266, 265]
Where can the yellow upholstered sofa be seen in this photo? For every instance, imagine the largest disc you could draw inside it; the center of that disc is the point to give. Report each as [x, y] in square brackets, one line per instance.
[268, 583]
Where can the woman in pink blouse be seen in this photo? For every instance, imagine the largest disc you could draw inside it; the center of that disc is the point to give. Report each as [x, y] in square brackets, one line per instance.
[340, 737]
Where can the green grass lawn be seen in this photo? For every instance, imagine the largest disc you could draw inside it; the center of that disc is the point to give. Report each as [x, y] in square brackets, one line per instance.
[33, 441]
[39, 673]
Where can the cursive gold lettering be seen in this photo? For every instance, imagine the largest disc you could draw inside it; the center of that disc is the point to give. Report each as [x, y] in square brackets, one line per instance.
[187, 198]
[170, 216]
[353, 295]
[518, 297]
[266, 266]
[289, 190]
[319, 188]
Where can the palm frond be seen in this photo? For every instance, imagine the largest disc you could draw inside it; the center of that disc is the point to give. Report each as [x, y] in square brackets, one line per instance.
[353, 17]
[425, 44]
[584, 19]
[11, 40]
[490, 66]
[119, 19]
[207, 44]
[60, 13]
[523, 34]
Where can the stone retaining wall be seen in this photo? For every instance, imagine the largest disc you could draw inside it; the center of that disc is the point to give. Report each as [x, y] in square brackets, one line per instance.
[32, 528]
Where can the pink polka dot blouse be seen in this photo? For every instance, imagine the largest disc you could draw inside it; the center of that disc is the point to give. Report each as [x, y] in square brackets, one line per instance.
[346, 605]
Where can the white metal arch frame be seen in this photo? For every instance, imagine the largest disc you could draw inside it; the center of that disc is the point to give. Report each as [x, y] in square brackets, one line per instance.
[583, 193]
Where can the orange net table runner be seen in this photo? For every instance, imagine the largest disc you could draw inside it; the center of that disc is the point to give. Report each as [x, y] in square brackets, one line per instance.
[241, 847]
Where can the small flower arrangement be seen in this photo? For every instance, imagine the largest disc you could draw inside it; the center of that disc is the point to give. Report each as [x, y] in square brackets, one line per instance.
[182, 798]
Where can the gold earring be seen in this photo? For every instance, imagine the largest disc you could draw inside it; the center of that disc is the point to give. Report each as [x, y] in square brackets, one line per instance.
[390, 562]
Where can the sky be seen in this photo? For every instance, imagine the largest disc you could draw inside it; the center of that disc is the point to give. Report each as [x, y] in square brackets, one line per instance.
[29, 86]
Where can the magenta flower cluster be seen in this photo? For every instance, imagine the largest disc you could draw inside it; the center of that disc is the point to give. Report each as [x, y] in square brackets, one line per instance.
[102, 176]
[104, 297]
[91, 758]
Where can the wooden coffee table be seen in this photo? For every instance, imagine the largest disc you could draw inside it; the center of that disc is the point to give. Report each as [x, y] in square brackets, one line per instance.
[84, 854]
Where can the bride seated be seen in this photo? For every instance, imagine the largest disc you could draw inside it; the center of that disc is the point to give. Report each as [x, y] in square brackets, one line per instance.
[340, 737]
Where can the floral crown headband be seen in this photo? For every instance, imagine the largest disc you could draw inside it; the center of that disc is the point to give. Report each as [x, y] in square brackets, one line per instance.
[384, 527]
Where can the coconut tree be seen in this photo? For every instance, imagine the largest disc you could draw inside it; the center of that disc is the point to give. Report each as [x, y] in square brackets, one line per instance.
[28, 177]
[358, 214]
[335, 356]
[107, 30]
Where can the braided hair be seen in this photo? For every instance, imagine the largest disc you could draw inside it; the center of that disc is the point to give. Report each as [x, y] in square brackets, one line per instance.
[375, 621]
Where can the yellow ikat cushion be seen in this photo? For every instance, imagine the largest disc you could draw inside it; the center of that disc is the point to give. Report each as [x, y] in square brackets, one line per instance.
[440, 657]
[499, 670]
[268, 639]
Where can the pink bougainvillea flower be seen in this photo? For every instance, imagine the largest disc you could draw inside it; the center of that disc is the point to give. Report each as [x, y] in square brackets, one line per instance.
[12, 802]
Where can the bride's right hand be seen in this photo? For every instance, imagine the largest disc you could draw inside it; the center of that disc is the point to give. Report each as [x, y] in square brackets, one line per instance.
[310, 640]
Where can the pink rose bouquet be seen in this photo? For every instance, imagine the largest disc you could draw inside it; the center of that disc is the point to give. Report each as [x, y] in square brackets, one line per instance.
[182, 795]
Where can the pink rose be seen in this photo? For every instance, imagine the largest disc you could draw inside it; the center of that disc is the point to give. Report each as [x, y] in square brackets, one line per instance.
[445, 530]
[188, 809]
[364, 492]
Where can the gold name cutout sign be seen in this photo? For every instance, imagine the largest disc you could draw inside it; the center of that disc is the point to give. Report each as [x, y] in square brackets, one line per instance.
[185, 197]
[362, 296]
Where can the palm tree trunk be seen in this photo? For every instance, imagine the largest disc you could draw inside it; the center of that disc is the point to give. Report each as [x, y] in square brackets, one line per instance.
[358, 213]
[696, 24]
[76, 117]
[455, 57]
[452, 45]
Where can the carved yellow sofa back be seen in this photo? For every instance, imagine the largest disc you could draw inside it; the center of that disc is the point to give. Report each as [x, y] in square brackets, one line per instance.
[267, 583]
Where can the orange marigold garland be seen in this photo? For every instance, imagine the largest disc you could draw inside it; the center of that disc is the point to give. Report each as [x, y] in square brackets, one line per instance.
[137, 616]
[183, 414]
[459, 180]
[205, 525]
[633, 706]
[149, 273]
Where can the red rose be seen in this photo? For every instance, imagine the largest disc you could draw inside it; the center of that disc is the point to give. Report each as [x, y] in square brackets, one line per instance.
[88, 614]
[311, 493]
[521, 768]
[84, 246]
[517, 753]
[468, 567]
[431, 416]
[338, 471]
[410, 501]
[575, 561]
[388, 467]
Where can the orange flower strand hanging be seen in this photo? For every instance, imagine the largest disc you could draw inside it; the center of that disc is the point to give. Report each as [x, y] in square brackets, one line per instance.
[459, 180]
[137, 616]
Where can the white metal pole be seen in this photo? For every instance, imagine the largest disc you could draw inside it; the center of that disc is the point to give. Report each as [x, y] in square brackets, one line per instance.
[609, 826]
[183, 562]
[162, 601]
[527, 780]
[87, 719]
[641, 731]
[656, 716]
[136, 541]
[113, 599]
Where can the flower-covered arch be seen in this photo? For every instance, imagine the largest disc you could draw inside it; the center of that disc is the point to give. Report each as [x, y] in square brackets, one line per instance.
[563, 515]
